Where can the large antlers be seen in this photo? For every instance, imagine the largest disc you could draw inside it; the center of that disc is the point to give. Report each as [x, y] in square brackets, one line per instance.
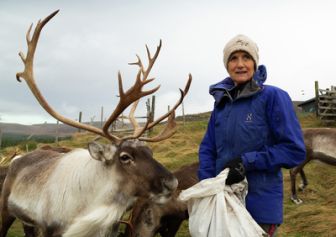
[126, 98]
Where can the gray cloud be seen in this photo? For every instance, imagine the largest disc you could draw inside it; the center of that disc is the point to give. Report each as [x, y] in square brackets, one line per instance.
[88, 42]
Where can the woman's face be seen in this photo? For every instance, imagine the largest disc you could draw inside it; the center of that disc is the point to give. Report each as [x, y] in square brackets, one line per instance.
[240, 67]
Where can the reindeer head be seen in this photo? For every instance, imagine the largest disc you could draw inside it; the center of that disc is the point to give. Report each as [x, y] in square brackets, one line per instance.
[132, 160]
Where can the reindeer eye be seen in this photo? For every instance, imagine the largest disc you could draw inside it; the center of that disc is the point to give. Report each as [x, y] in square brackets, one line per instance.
[125, 158]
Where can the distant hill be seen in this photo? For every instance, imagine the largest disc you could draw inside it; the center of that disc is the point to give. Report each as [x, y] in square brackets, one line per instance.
[37, 129]
[195, 117]
[65, 130]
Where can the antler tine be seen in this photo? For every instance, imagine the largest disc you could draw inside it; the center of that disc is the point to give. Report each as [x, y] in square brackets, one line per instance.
[151, 61]
[28, 76]
[132, 118]
[138, 131]
[166, 133]
[139, 63]
[183, 94]
[32, 43]
[170, 127]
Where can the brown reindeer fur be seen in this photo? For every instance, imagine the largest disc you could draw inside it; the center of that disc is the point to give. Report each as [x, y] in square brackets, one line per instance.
[57, 149]
[320, 145]
[51, 152]
[149, 218]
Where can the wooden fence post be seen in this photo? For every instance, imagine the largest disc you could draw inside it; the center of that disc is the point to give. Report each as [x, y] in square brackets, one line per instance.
[326, 104]
[317, 98]
[57, 132]
[183, 113]
[80, 120]
[0, 137]
[152, 111]
[148, 108]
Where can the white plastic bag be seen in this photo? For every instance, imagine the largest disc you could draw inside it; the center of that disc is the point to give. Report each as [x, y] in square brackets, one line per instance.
[218, 210]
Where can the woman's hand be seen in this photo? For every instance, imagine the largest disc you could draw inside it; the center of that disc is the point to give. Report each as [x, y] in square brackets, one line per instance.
[236, 172]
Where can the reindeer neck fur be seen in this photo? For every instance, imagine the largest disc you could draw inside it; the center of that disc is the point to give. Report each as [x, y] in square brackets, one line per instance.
[97, 222]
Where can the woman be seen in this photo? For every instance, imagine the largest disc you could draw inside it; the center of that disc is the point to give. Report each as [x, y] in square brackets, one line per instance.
[253, 130]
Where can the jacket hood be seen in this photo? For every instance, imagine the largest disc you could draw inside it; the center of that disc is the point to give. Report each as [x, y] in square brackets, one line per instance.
[219, 89]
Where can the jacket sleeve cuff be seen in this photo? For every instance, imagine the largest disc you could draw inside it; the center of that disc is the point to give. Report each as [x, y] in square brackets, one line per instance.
[249, 160]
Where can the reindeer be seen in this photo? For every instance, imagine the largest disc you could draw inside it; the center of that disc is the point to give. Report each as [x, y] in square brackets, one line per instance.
[84, 192]
[320, 145]
[149, 218]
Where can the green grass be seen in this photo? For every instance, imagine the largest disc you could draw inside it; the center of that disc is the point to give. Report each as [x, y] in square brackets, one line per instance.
[16, 230]
[316, 217]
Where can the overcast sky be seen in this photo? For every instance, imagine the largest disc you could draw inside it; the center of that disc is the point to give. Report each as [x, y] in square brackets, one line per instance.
[84, 46]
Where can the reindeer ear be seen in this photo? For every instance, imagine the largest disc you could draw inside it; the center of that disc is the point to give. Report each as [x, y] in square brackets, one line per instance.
[96, 151]
[101, 152]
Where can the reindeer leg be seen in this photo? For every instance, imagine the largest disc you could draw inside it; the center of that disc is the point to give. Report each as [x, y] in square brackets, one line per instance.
[304, 183]
[114, 230]
[49, 233]
[29, 231]
[172, 228]
[6, 222]
[293, 172]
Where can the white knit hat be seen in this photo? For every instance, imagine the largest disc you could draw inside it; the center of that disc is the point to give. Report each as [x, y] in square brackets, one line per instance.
[244, 43]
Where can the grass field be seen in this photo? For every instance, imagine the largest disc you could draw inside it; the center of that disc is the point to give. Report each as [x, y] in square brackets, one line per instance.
[316, 217]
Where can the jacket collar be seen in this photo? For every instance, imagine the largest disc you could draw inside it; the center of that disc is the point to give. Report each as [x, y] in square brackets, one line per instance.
[223, 88]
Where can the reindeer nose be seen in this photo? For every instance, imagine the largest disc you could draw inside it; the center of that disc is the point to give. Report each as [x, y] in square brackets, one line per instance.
[170, 184]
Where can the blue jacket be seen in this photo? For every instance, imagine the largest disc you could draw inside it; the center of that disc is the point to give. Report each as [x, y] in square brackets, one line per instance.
[261, 127]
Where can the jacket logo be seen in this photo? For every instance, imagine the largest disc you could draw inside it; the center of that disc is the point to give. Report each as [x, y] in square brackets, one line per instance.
[248, 118]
